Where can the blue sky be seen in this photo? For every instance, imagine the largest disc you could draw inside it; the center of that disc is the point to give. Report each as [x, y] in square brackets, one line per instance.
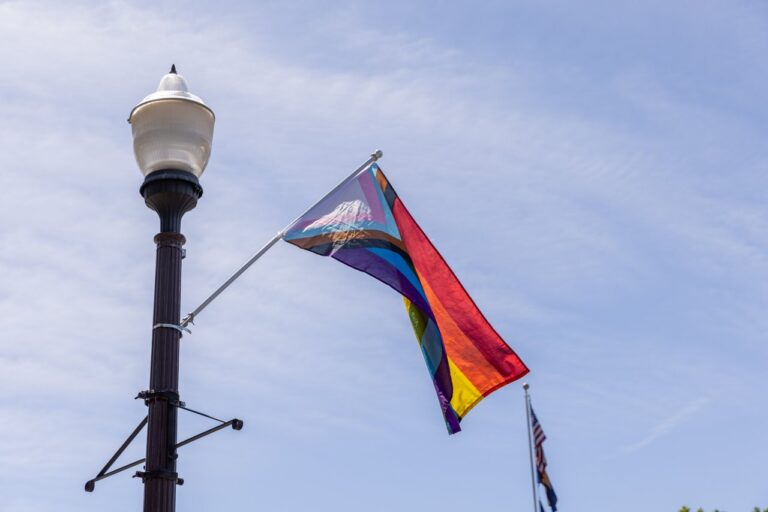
[594, 173]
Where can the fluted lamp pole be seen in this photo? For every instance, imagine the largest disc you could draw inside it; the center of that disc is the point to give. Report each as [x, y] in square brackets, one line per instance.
[172, 135]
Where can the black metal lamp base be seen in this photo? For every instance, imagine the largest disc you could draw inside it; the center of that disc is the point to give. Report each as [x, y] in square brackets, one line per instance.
[171, 193]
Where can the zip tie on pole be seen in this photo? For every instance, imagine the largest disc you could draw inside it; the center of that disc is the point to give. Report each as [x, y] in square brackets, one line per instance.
[376, 155]
[179, 328]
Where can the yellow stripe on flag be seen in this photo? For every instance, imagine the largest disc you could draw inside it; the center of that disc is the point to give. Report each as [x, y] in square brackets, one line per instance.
[465, 394]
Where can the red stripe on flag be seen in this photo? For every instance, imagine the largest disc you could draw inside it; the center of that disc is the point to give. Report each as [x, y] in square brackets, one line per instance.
[460, 308]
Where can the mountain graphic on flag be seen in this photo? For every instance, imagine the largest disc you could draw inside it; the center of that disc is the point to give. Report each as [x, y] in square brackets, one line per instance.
[345, 220]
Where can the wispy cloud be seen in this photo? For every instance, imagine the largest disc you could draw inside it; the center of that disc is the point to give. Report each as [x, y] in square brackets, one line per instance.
[668, 424]
[608, 221]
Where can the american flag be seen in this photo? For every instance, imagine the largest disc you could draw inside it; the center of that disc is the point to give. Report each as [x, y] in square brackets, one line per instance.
[541, 461]
[538, 441]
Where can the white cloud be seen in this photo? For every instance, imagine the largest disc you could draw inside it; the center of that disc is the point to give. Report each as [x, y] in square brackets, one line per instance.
[671, 422]
[588, 232]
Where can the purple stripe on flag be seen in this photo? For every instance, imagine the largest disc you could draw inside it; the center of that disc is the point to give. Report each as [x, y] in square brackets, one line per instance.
[372, 197]
[451, 418]
[434, 354]
[366, 261]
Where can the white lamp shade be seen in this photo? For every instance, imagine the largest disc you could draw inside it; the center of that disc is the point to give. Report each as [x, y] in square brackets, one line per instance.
[172, 129]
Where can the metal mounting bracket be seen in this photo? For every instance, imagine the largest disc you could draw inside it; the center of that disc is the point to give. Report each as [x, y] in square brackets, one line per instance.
[150, 395]
[179, 328]
[165, 475]
[90, 485]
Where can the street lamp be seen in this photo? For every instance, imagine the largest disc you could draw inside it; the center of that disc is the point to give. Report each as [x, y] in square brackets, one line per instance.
[172, 135]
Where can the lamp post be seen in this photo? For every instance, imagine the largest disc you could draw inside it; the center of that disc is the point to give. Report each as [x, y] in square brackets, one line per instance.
[172, 135]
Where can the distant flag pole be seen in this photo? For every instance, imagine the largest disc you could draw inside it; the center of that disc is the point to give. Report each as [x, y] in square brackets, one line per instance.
[189, 319]
[530, 449]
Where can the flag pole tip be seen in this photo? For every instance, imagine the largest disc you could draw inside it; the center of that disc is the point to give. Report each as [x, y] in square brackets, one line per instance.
[525, 386]
[377, 154]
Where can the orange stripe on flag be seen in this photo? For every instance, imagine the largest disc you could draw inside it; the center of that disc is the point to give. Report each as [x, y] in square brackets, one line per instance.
[470, 341]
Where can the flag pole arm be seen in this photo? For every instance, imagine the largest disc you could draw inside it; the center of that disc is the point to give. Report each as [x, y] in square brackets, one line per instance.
[191, 316]
[530, 443]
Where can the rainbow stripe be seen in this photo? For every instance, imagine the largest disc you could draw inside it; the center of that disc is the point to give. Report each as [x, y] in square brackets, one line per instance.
[366, 226]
